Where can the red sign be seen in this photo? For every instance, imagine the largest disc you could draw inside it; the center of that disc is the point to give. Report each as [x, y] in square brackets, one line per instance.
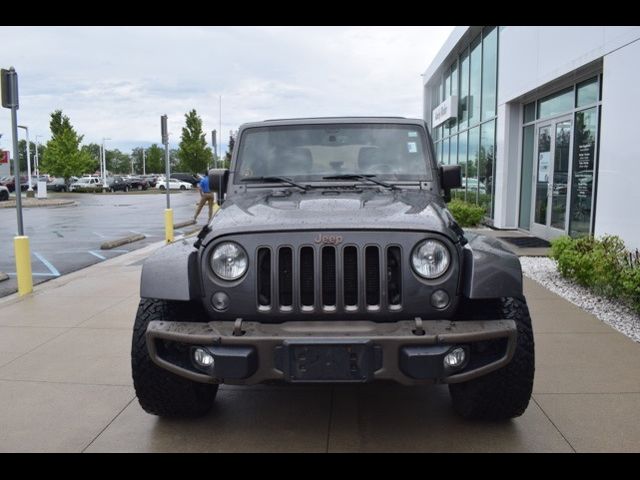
[4, 158]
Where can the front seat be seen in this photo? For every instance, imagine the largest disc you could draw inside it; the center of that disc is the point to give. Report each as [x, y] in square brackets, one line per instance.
[293, 161]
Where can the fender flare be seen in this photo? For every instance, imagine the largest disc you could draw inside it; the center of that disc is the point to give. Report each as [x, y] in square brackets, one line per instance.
[171, 273]
[490, 269]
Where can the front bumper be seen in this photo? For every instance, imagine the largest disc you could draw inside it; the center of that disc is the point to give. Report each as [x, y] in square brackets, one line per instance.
[332, 351]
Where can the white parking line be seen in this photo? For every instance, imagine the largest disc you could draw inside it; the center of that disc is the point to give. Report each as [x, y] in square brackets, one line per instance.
[99, 235]
[95, 254]
[52, 269]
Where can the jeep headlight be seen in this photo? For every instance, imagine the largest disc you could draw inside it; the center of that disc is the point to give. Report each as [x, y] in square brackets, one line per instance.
[430, 259]
[229, 261]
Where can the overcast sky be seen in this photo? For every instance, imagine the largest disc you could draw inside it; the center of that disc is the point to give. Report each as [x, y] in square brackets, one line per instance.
[116, 81]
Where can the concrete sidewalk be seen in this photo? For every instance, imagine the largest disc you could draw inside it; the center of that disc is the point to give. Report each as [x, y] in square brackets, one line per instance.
[65, 385]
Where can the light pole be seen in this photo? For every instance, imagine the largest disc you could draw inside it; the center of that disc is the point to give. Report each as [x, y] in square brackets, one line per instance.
[104, 164]
[37, 158]
[144, 170]
[30, 189]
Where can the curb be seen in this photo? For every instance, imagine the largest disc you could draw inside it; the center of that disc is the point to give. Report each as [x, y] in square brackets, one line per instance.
[186, 223]
[121, 241]
[66, 203]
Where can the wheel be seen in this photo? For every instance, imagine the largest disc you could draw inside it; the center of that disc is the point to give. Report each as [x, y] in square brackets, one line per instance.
[182, 187]
[503, 393]
[4, 196]
[159, 391]
[162, 187]
[139, 188]
[112, 190]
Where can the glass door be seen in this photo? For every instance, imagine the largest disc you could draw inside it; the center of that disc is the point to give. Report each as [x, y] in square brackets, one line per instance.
[551, 179]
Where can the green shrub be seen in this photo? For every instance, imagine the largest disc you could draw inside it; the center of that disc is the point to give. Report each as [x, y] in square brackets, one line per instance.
[603, 265]
[466, 214]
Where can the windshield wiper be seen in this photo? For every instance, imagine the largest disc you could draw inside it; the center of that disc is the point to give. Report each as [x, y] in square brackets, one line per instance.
[354, 176]
[276, 179]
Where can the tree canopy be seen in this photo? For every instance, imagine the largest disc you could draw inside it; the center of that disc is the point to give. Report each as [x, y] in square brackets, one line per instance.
[194, 155]
[62, 156]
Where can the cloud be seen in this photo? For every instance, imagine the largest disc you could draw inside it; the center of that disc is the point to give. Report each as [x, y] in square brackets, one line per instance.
[116, 81]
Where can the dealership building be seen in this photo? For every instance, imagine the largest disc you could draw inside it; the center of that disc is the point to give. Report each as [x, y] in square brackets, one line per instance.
[544, 122]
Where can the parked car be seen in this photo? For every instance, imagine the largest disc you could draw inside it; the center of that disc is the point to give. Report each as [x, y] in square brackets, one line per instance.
[4, 193]
[58, 184]
[151, 180]
[84, 184]
[10, 183]
[118, 184]
[375, 283]
[174, 184]
[138, 183]
[473, 184]
[191, 178]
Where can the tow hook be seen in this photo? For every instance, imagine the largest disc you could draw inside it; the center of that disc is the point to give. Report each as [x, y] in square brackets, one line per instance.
[237, 328]
[418, 330]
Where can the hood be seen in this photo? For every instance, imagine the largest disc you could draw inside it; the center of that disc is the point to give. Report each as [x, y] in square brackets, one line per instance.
[369, 209]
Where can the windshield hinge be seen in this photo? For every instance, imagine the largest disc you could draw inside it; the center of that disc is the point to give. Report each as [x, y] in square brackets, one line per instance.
[424, 185]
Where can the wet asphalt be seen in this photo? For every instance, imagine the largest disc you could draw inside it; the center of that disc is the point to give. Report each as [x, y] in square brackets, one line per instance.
[66, 239]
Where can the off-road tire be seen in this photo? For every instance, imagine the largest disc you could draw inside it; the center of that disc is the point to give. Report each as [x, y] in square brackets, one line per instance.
[503, 393]
[159, 391]
[4, 196]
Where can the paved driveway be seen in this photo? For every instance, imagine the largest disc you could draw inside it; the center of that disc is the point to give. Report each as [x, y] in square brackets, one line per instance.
[65, 385]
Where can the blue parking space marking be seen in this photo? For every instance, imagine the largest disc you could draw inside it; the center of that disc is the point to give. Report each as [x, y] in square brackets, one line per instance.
[52, 269]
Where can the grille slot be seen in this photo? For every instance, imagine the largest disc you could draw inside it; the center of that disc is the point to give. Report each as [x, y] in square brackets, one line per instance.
[285, 277]
[394, 277]
[350, 277]
[306, 277]
[329, 277]
[264, 277]
[372, 275]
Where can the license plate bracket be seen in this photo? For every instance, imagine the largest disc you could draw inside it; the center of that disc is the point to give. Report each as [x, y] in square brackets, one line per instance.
[327, 361]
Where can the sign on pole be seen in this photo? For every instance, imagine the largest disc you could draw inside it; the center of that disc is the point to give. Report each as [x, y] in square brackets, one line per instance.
[4, 156]
[9, 88]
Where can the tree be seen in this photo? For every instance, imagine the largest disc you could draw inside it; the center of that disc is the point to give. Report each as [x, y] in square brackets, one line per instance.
[63, 156]
[94, 151]
[155, 159]
[194, 155]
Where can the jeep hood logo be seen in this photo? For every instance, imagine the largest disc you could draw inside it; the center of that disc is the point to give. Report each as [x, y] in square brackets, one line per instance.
[329, 239]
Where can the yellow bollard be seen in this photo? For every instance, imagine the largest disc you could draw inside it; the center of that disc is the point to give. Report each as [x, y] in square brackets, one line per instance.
[168, 225]
[23, 264]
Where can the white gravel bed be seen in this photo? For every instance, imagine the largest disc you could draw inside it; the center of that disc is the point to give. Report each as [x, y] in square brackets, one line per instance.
[614, 313]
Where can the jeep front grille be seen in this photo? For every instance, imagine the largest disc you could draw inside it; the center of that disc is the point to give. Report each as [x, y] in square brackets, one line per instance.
[329, 278]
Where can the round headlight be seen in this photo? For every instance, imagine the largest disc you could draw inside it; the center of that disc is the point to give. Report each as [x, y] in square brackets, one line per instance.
[229, 261]
[430, 259]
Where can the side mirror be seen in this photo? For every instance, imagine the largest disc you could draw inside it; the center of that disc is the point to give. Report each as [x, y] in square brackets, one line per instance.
[218, 178]
[450, 177]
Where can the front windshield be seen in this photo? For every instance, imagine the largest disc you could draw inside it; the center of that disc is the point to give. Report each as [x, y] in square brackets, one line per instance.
[307, 153]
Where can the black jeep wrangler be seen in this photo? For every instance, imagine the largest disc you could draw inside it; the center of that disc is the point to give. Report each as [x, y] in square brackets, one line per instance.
[333, 258]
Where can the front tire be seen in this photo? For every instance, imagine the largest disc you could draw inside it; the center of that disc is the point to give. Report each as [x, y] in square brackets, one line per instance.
[504, 393]
[159, 391]
[182, 187]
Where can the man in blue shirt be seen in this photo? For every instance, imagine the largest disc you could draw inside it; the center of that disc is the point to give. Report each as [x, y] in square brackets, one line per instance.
[206, 196]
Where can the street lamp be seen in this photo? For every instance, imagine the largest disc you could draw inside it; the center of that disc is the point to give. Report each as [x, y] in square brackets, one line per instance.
[30, 189]
[104, 164]
[37, 160]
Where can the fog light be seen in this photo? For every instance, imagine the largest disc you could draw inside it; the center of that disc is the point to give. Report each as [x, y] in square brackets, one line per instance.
[220, 301]
[440, 299]
[202, 357]
[455, 358]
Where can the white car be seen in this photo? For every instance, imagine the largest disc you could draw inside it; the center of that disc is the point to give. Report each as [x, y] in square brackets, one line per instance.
[86, 184]
[4, 193]
[174, 184]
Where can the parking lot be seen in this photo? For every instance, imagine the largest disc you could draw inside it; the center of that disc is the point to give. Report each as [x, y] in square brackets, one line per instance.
[65, 239]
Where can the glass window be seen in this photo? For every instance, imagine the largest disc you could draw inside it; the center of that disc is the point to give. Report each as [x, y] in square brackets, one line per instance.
[526, 176]
[473, 152]
[582, 174]
[453, 150]
[542, 177]
[462, 160]
[555, 104]
[489, 72]
[587, 92]
[486, 163]
[438, 147]
[475, 81]
[453, 123]
[529, 112]
[463, 105]
[445, 152]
